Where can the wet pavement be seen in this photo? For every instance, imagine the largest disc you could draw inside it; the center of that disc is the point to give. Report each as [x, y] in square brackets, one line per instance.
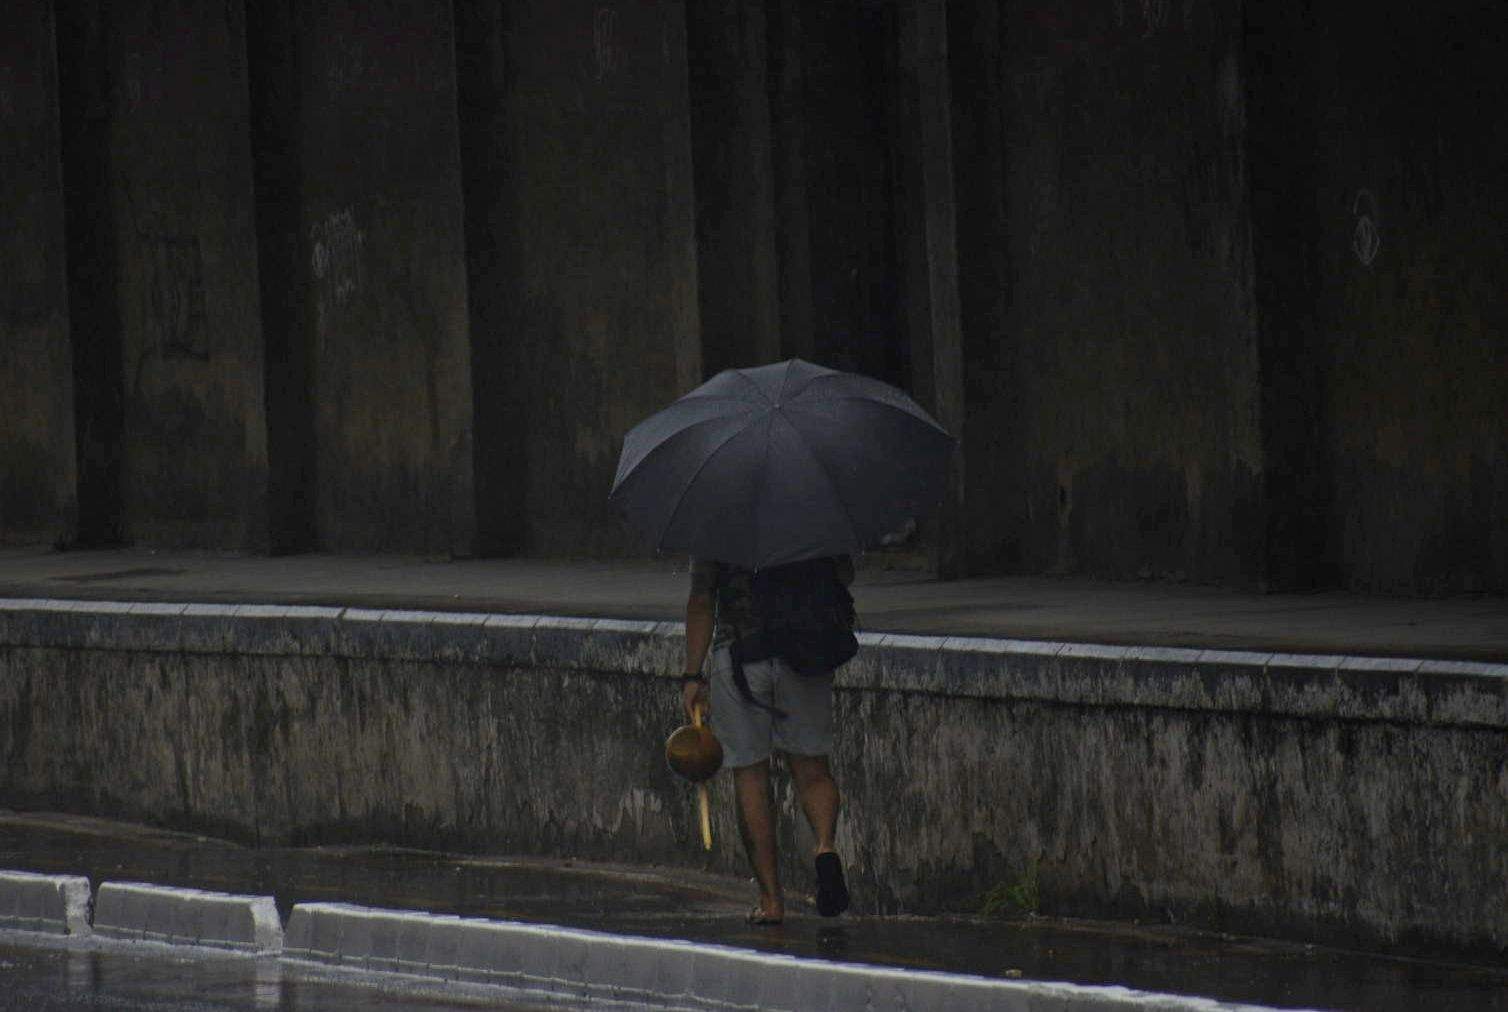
[672, 903]
[75, 978]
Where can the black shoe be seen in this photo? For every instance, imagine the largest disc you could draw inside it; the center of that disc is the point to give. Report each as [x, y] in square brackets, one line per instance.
[832, 891]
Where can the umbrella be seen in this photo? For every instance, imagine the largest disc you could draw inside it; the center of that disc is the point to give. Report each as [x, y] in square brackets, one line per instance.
[780, 463]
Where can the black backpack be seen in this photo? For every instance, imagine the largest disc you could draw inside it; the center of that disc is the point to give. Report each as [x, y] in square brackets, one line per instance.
[806, 616]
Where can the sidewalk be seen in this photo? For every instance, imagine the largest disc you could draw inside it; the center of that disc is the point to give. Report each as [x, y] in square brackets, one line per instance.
[889, 600]
[707, 908]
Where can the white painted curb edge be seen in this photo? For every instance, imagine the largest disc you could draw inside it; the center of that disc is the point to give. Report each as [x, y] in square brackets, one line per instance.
[527, 957]
[134, 911]
[55, 904]
[596, 964]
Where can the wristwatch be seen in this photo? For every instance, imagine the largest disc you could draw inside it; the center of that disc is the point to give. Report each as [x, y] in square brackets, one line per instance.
[692, 676]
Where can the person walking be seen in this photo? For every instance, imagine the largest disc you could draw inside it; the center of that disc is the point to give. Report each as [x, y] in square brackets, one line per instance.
[760, 705]
[779, 473]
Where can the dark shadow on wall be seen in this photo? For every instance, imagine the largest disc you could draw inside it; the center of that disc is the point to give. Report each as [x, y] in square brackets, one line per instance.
[1282, 145]
[976, 77]
[84, 101]
[85, 64]
[276, 134]
[853, 135]
[498, 415]
[734, 172]
[1407, 104]
[796, 135]
[834, 75]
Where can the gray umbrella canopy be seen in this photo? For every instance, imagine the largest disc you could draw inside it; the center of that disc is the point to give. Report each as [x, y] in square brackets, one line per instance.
[780, 463]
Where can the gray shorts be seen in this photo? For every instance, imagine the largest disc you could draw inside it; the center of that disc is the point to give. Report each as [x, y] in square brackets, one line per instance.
[747, 732]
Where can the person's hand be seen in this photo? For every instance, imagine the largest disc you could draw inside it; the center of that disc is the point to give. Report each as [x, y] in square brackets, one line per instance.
[693, 695]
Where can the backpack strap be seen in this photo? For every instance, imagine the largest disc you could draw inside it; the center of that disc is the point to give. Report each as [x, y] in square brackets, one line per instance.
[757, 651]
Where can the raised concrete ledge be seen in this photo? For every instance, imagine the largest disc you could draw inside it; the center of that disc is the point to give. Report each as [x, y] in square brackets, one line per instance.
[134, 911]
[1319, 686]
[54, 904]
[628, 969]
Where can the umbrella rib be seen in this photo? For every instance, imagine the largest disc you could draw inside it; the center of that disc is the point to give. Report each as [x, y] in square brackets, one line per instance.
[785, 381]
[824, 374]
[681, 499]
[663, 444]
[853, 528]
[923, 417]
[764, 469]
[820, 377]
[762, 395]
[696, 398]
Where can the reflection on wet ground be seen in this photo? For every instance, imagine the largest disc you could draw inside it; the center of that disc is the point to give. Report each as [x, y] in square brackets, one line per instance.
[702, 907]
[167, 980]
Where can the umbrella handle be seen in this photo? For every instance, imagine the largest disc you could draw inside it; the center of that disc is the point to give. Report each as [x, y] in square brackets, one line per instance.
[705, 805]
[703, 801]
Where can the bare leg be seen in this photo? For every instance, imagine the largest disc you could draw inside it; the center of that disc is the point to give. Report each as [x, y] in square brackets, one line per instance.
[819, 796]
[756, 823]
[819, 799]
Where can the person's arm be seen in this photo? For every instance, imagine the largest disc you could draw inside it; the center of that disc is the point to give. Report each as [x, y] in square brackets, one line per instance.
[698, 638]
[700, 619]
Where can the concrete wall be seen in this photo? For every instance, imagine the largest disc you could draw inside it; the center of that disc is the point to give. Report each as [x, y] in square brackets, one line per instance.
[385, 277]
[276, 100]
[734, 160]
[38, 495]
[584, 257]
[194, 435]
[1105, 276]
[86, 69]
[1409, 220]
[848, 67]
[347, 277]
[796, 118]
[1352, 800]
[1227, 284]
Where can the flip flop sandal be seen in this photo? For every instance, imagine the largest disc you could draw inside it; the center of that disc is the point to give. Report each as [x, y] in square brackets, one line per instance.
[759, 918]
[832, 891]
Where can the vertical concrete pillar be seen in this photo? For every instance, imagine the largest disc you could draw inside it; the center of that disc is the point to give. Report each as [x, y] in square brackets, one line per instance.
[499, 387]
[277, 102]
[737, 266]
[194, 461]
[37, 468]
[677, 270]
[1105, 277]
[1379, 258]
[848, 70]
[976, 72]
[932, 255]
[86, 60]
[1281, 150]
[785, 44]
[581, 245]
[381, 225]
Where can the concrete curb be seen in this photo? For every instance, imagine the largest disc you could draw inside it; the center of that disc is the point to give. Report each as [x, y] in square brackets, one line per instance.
[592, 964]
[533, 958]
[133, 911]
[54, 904]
